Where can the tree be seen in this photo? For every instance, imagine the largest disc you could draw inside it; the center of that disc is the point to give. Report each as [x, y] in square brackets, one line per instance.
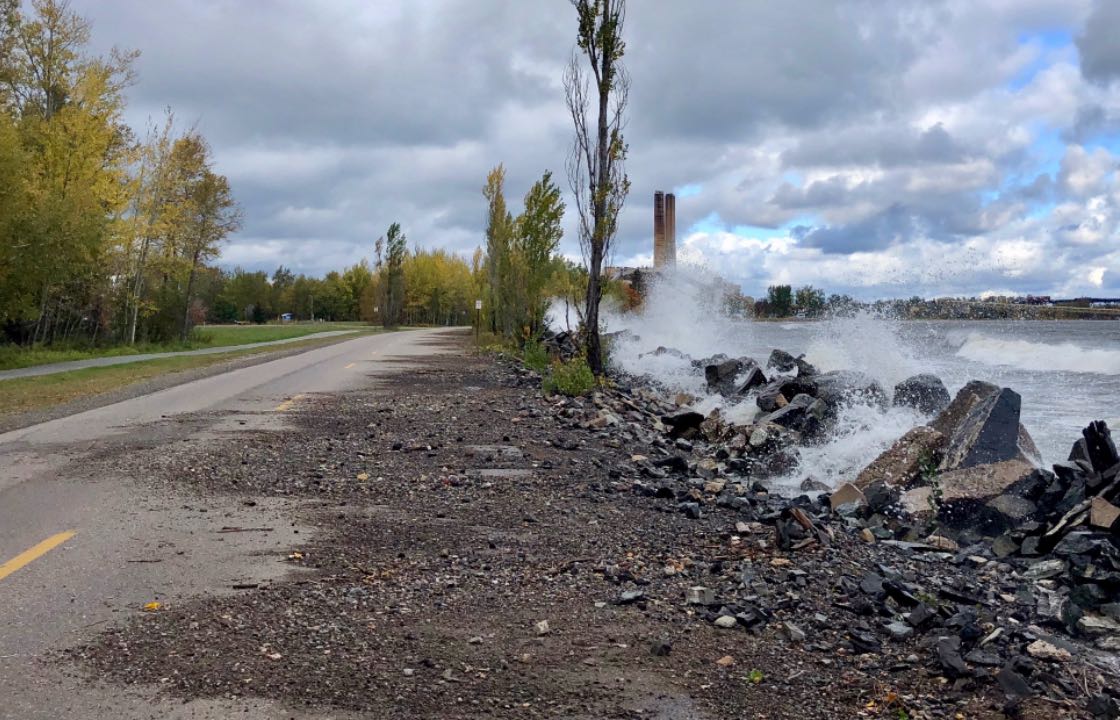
[212, 214]
[779, 300]
[596, 165]
[809, 300]
[499, 241]
[539, 230]
[396, 248]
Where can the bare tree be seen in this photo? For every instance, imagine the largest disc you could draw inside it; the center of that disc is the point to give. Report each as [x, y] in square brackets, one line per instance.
[596, 165]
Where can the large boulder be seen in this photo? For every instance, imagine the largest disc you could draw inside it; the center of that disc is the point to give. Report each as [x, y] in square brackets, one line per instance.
[753, 378]
[912, 457]
[778, 392]
[711, 360]
[804, 414]
[848, 387]
[721, 376]
[805, 368]
[1096, 447]
[781, 361]
[987, 499]
[987, 432]
[925, 393]
[988, 461]
[967, 397]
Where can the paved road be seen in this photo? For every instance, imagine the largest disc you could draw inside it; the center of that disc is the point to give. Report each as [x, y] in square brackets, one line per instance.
[80, 551]
[52, 368]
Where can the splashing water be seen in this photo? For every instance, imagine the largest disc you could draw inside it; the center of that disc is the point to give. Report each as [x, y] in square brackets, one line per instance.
[867, 342]
[683, 312]
[861, 433]
[1067, 372]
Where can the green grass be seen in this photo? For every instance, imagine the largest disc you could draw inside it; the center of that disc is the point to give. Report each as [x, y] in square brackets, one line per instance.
[45, 391]
[205, 336]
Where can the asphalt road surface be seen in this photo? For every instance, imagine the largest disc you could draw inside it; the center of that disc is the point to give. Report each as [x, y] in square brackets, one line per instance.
[79, 551]
[52, 368]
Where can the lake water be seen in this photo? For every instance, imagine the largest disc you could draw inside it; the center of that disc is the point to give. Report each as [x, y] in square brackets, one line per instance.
[1067, 372]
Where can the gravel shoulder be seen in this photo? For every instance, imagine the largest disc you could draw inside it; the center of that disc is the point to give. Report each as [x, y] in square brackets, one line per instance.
[483, 553]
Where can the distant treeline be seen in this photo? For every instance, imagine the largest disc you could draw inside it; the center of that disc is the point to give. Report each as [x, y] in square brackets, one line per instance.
[782, 301]
[439, 288]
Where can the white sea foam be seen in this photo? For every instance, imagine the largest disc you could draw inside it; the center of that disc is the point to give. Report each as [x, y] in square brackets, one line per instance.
[1037, 356]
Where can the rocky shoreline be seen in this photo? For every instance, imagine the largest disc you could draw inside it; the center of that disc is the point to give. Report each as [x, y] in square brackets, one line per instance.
[488, 551]
[1005, 572]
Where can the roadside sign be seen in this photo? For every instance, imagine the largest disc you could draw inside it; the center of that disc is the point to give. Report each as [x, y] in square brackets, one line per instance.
[477, 304]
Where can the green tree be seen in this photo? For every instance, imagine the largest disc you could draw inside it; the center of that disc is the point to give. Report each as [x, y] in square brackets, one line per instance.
[211, 217]
[396, 248]
[539, 230]
[596, 167]
[499, 247]
[779, 300]
[809, 300]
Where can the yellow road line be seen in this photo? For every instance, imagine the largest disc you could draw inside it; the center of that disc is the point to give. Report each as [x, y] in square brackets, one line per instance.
[287, 403]
[34, 553]
[350, 366]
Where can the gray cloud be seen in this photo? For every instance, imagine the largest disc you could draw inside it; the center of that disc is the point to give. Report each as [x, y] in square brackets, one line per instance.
[897, 130]
[1100, 53]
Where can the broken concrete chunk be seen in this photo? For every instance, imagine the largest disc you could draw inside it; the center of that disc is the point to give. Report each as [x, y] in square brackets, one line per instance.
[846, 495]
[912, 457]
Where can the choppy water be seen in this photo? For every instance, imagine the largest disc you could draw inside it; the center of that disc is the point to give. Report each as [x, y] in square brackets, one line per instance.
[1067, 372]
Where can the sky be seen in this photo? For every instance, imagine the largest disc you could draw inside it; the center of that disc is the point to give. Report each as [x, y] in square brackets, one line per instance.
[880, 149]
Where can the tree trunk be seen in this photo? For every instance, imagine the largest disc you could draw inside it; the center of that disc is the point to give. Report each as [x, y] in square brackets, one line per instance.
[187, 309]
[591, 322]
[137, 288]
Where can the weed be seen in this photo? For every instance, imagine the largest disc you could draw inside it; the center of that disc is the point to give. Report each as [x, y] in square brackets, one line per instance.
[535, 356]
[932, 478]
[755, 676]
[571, 378]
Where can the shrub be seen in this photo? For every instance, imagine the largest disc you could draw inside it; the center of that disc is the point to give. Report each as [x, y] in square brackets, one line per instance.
[535, 356]
[570, 378]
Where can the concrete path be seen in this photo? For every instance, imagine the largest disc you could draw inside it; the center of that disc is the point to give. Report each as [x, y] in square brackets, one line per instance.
[83, 548]
[53, 368]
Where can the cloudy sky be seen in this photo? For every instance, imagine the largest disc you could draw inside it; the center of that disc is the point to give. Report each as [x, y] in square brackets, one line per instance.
[877, 148]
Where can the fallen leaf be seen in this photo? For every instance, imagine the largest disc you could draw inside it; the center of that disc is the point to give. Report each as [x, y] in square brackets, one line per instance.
[153, 606]
[725, 661]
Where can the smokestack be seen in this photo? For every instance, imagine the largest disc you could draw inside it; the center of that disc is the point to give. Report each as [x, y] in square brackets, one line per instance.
[670, 255]
[658, 229]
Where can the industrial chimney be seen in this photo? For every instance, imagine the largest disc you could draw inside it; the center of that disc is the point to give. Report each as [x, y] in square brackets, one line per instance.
[664, 229]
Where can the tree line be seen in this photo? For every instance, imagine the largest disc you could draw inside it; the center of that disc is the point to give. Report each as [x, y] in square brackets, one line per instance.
[103, 236]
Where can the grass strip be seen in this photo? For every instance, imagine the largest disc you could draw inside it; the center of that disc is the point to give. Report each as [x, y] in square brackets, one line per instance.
[21, 395]
[207, 336]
